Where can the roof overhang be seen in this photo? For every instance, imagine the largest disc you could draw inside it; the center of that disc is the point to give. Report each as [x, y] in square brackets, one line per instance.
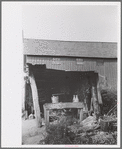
[70, 48]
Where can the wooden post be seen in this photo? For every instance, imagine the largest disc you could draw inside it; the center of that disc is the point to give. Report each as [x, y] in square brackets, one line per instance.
[94, 95]
[24, 100]
[81, 114]
[98, 90]
[35, 100]
[24, 95]
[47, 116]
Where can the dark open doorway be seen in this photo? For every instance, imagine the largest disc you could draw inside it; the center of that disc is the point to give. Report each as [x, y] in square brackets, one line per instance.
[63, 83]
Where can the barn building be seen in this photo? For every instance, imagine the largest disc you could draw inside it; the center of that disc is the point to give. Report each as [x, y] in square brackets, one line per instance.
[67, 68]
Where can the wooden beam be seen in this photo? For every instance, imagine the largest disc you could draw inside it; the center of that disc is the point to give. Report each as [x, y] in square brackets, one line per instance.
[35, 100]
[81, 114]
[94, 95]
[98, 90]
[24, 95]
[64, 105]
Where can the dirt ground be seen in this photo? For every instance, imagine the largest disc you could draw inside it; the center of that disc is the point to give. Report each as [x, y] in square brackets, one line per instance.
[30, 133]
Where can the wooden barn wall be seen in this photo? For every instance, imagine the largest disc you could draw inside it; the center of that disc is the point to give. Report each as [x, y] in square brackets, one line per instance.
[108, 67]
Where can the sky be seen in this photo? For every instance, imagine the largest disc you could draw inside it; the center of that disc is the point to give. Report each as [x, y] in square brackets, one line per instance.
[71, 22]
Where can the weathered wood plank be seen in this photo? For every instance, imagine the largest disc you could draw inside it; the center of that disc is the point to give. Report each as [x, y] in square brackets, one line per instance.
[24, 95]
[95, 103]
[98, 91]
[81, 114]
[35, 100]
[47, 116]
[64, 105]
[49, 106]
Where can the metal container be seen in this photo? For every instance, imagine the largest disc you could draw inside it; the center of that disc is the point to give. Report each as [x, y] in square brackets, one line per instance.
[55, 99]
[106, 125]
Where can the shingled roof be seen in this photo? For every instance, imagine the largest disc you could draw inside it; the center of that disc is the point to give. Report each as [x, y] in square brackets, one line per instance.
[70, 48]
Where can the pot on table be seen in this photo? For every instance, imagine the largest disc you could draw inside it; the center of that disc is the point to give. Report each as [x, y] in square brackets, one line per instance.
[55, 99]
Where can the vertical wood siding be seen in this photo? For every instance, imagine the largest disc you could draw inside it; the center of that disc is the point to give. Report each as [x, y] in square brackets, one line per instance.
[108, 69]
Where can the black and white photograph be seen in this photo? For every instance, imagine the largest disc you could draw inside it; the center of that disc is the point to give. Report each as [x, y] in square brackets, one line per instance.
[70, 74]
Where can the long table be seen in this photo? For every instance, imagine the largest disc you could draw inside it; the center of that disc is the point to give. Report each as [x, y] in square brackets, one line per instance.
[62, 105]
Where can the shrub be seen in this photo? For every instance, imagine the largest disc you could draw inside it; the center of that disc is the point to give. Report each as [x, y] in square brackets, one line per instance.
[57, 133]
[109, 98]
